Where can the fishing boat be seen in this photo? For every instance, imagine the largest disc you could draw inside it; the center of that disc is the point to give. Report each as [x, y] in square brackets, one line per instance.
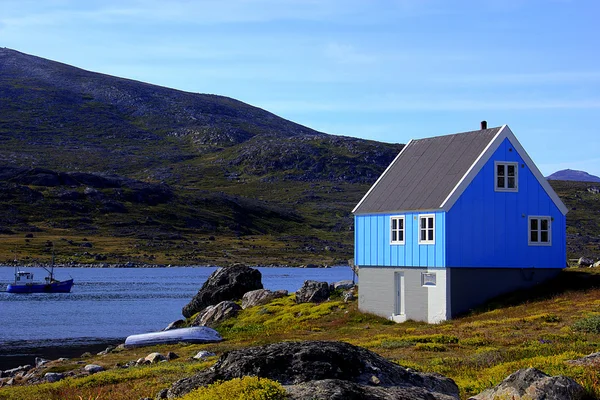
[24, 282]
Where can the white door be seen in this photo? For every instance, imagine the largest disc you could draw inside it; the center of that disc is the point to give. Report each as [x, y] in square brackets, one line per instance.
[399, 293]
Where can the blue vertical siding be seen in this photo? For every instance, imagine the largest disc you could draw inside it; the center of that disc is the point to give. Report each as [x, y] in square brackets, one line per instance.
[486, 228]
[372, 242]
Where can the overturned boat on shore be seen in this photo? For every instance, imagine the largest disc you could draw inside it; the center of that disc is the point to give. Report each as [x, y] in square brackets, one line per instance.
[195, 334]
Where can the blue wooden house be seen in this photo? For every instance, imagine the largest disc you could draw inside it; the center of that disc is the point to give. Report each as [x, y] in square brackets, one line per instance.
[454, 221]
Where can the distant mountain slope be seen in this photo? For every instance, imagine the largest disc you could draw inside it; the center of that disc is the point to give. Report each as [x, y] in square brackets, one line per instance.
[573, 175]
[102, 123]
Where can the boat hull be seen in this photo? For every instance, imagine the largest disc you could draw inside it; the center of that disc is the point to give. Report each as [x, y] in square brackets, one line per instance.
[196, 334]
[54, 287]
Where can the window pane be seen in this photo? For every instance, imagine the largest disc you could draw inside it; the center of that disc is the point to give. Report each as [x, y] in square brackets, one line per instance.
[422, 234]
[500, 182]
[511, 183]
[394, 236]
[430, 222]
[544, 237]
[430, 234]
[401, 236]
[394, 223]
[401, 223]
[500, 170]
[534, 224]
[544, 224]
[423, 223]
[534, 236]
[511, 170]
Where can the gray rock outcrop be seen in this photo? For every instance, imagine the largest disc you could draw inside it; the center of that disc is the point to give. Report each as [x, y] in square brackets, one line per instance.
[322, 369]
[212, 315]
[343, 285]
[312, 292]
[585, 262]
[229, 283]
[93, 368]
[533, 384]
[260, 297]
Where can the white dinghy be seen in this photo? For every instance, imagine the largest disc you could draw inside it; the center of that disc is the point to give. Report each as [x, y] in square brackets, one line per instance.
[195, 334]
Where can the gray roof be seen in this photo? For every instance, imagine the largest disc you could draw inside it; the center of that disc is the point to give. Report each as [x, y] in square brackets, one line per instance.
[425, 172]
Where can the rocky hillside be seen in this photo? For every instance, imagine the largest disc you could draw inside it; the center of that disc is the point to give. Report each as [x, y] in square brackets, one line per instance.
[60, 117]
[87, 155]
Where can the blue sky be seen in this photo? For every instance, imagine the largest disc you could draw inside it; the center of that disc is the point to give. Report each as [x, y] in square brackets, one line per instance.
[381, 70]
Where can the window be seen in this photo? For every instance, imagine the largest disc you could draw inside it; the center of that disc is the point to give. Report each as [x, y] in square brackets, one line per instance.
[507, 177]
[397, 230]
[427, 229]
[428, 279]
[540, 232]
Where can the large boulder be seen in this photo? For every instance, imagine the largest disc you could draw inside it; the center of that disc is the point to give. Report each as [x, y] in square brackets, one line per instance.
[260, 297]
[533, 384]
[212, 315]
[229, 283]
[350, 369]
[312, 292]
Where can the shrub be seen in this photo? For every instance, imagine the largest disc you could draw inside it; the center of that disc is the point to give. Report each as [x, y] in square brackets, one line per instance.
[430, 347]
[436, 338]
[395, 344]
[589, 324]
[246, 388]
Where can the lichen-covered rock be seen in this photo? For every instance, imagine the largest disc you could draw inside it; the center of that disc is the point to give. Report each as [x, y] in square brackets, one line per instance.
[260, 297]
[336, 389]
[180, 323]
[229, 283]
[585, 262]
[202, 354]
[93, 368]
[590, 359]
[312, 292]
[533, 384]
[294, 363]
[211, 315]
[53, 376]
[155, 357]
[343, 285]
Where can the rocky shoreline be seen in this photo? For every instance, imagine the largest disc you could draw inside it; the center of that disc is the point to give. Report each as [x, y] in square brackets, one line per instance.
[17, 353]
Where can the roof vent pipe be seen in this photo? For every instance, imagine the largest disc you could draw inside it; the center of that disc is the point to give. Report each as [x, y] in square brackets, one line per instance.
[483, 125]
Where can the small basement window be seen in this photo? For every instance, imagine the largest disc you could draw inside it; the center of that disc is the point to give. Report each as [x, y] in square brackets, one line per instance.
[507, 176]
[397, 230]
[540, 231]
[428, 279]
[427, 229]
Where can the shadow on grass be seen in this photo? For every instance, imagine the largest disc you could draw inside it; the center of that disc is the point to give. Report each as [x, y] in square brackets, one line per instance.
[566, 281]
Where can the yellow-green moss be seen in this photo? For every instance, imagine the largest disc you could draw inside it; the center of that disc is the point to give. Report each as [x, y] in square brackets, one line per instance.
[246, 388]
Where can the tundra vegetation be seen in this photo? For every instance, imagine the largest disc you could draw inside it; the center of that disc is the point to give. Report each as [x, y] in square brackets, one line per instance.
[542, 327]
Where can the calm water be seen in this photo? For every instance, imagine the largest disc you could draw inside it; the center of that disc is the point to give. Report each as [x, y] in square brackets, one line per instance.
[110, 304]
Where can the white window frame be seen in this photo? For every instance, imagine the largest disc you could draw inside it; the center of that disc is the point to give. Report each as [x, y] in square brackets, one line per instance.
[428, 279]
[506, 188]
[427, 228]
[539, 230]
[398, 230]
